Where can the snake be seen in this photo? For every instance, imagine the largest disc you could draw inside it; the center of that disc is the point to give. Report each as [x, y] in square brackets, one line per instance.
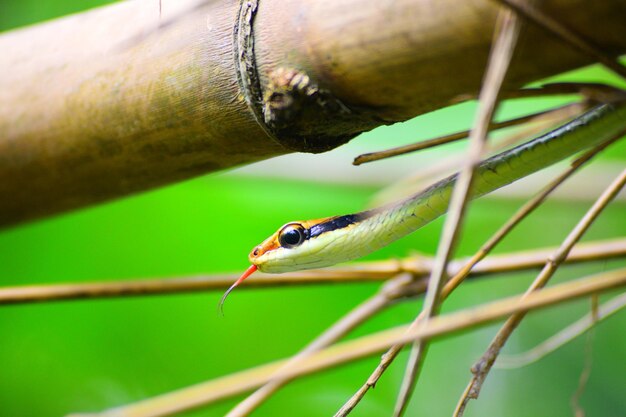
[300, 245]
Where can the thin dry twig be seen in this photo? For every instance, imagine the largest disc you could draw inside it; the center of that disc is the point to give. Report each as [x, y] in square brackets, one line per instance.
[596, 92]
[399, 287]
[467, 267]
[584, 377]
[376, 271]
[460, 195]
[538, 125]
[396, 288]
[506, 33]
[521, 214]
[453, 137]
[537, 258]
[391, 291]
[483, 366]
[418, 266]
[563, 337]
[223, 387]
[528, 10]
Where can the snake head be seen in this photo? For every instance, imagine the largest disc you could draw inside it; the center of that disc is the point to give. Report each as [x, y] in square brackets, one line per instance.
[303, 245]
[289, 236]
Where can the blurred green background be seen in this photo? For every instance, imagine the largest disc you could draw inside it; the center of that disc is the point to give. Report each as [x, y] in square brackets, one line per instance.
[57, 358]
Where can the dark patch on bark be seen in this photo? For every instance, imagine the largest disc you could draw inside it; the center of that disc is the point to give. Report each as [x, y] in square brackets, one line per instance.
[307, 118]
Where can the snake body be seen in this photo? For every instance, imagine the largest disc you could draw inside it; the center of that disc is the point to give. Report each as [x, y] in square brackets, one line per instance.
[328, 241]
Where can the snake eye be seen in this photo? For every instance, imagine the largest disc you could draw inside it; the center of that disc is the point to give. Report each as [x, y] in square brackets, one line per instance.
[291, 236]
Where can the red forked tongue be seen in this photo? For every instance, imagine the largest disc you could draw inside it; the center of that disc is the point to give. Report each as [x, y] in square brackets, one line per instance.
[245, 275]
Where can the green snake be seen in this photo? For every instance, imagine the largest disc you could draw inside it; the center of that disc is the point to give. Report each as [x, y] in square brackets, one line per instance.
[324, 242]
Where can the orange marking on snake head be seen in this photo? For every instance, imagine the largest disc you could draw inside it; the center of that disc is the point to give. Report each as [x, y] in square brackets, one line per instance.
[267, 245]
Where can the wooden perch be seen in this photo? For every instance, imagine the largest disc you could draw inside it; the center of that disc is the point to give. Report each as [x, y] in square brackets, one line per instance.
[119, 99]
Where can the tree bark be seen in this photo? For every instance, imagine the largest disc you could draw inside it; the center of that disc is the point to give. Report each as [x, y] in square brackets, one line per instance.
[119, 99]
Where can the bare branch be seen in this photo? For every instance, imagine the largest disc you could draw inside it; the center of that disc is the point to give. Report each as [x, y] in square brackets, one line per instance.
[418, 266]
[362, 272]
[583, 252]
[584, 376]
[227, 386]
[453, 137]
[358, 315]
[596, 92]
[521, 214]
[483, 366]
[527, 10]
[474, 263]
[540, 124]
[507, 31]
[57, 104]
[563, 337]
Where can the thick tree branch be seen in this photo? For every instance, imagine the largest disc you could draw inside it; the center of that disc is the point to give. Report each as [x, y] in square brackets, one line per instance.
[116, 101]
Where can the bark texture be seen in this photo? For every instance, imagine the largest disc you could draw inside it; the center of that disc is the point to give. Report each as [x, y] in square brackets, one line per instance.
[119, 99]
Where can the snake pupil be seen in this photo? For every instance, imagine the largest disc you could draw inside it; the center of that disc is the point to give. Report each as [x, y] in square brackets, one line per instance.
[291, 236]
